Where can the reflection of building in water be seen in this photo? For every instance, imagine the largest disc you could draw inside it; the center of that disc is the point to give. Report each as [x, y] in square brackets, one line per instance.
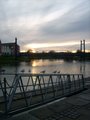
[82, 68]
[9, 48]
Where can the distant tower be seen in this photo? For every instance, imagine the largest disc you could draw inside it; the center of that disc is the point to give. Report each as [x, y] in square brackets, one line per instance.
[84, 46]
[81, 45]
[15, 47]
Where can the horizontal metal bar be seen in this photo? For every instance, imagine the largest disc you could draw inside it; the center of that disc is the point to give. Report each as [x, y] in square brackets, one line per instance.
[39, 74]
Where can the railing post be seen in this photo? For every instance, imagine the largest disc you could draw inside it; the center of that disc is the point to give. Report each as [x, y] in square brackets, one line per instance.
[24, 93]
[83, 82]
[52, 86]
[74, 82]
[39, 81]
[79, 81]
[5, 96]
[33, 84]
[62, 86]
[69, 82]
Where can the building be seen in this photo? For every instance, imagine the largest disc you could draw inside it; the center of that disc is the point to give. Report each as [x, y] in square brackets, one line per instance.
[9, 48]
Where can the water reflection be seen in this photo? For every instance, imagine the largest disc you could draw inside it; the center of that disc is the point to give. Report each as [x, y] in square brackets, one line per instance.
[82, 67]
[34, 63]
[36, 66]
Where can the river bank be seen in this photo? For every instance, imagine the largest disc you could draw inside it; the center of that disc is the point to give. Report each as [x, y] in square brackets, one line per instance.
[51, 55]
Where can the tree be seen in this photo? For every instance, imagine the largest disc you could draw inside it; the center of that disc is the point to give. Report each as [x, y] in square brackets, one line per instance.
[51, 51]
[79, 51]
[29, 51]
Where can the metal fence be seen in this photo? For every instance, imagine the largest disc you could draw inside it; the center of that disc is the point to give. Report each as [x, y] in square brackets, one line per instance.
[19, 92]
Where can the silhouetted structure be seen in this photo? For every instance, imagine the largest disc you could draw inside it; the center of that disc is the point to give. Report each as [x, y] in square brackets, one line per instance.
[82, 46]
[9, 48]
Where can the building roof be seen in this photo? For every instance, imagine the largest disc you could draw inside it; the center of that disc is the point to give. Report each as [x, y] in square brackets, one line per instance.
[8, 44]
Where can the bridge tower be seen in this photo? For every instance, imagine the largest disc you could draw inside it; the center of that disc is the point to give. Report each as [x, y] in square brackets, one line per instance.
[82, 46]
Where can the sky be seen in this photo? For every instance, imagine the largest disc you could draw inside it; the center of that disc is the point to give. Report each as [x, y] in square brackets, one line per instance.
[45, 25]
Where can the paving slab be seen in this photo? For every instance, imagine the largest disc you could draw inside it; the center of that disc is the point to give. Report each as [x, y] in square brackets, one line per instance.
[42, 113]
[23, 116]
[59, 106]
[77, 101]
[85, 96]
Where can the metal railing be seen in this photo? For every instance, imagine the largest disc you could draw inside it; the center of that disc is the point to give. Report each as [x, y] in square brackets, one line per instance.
[23, 91]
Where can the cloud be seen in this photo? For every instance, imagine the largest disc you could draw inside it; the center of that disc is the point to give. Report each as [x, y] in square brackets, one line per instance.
[43, 21]
[76, 20]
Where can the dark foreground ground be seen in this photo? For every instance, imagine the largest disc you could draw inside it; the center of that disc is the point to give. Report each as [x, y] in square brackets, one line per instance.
[76, 107]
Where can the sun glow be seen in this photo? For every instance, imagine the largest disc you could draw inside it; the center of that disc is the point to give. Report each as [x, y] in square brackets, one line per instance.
[54, 46]
[45, 45]
[74, 51]
[33, 51]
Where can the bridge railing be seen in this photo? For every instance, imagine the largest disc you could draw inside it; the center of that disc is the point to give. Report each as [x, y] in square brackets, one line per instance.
[20, 92]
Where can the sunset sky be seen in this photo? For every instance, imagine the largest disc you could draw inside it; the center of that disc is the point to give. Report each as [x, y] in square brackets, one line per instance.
[45, 24]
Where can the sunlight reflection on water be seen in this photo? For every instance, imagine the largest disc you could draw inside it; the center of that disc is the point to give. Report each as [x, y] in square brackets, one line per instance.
[36, 66]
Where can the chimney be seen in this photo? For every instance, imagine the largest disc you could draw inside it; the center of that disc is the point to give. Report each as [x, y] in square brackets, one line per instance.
[16, 40]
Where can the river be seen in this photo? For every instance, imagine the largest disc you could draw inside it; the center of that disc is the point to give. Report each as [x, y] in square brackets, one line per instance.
[36, 66]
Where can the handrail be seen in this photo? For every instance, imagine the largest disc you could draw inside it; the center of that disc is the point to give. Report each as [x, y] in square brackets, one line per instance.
[35, 74]
[26, 90]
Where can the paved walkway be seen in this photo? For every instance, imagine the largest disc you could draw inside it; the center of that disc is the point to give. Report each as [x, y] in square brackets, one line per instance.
[76, 107]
